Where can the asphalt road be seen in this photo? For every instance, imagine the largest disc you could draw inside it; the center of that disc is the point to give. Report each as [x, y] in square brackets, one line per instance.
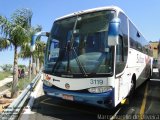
[50, 108]
[145, 104]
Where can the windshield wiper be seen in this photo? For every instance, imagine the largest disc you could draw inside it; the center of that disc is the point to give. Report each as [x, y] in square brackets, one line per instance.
[79, 63]
[68, 48]
[59, 59]
[72, 48]
[74, 30]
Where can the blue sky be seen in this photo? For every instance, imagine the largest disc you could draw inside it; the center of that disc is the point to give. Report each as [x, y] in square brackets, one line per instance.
[143, 13]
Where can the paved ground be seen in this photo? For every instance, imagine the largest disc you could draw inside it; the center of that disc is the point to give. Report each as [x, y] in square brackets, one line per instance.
[4, 89]
[144, 103]
[6, 80]
[5, 85]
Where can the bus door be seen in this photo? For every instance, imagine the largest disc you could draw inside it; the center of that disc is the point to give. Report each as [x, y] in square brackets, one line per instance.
[121, 73]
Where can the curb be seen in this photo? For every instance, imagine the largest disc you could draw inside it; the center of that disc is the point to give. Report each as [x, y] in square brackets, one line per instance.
[27, 109]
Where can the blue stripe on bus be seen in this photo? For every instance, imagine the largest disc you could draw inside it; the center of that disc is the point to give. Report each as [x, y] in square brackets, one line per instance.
[104, 100]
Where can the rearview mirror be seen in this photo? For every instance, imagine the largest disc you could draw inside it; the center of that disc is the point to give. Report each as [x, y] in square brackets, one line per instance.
[34, 38]
[113, 32]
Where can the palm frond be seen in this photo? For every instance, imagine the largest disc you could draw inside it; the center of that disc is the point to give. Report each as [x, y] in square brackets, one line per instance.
[5, 26]
[19, 35]
[22, 17]
[4, 44]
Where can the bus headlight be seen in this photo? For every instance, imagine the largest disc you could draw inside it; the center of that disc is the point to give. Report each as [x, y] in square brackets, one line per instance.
[100, 89]
[47, 83]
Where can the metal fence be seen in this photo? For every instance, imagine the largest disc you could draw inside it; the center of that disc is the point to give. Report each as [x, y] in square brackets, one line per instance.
[13, 110]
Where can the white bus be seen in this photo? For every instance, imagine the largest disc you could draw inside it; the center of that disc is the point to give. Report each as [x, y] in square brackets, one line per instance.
[100, 57]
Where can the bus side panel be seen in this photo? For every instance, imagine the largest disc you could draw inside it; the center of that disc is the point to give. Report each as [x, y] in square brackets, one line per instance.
[140, 65]
[122, 85]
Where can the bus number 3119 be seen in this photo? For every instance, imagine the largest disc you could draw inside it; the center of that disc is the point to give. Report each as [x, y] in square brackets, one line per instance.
[96, 82]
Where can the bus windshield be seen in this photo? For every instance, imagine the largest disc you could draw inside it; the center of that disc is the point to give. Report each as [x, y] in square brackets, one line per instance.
[82, 42]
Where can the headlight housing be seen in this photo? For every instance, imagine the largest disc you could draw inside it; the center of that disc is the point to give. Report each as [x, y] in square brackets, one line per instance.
[46, 79]
[47, 83]
[100, 89]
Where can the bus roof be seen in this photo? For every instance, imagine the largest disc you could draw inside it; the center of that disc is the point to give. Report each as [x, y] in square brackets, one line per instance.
[92, 10]
[116, 8]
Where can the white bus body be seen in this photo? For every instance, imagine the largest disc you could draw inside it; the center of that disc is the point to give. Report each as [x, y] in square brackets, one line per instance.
[101, 57]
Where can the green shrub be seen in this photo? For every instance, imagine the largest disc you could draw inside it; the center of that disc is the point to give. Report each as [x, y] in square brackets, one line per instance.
[6, 67]
[4, 75]
[24, 82]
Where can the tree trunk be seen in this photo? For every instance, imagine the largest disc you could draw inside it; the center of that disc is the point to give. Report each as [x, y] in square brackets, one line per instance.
[30, 69]
[33, 65]
[37, 65]
[40, 64]
[14, 92]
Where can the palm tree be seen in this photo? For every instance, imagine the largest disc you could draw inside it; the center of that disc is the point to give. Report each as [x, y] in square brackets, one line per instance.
[39, 54]
[35, 30]
[25, 52]
[14, 32]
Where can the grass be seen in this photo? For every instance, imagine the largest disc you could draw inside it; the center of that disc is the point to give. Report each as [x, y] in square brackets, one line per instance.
[4, 75]
[23, 82]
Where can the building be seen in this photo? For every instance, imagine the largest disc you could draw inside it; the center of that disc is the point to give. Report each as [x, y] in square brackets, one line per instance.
[154, 47]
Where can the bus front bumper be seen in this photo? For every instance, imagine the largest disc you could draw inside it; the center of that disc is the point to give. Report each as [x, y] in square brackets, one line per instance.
[104, 100]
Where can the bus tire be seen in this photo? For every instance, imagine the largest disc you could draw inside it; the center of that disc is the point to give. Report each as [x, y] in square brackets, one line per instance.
[149, 77]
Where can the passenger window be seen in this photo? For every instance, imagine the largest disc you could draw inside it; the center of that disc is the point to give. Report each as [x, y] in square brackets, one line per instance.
[122, 47]
[120, 63]
[120, 56]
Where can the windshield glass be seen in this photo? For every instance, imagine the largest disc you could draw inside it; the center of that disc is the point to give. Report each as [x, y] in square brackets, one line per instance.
[82, 45]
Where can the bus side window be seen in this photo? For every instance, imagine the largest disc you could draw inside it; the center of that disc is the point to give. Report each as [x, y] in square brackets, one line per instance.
[120, 50]
[122, 47]
[120, 63]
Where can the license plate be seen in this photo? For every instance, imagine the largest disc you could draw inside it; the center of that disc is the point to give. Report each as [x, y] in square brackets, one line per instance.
[67, 97]
[155, 70]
